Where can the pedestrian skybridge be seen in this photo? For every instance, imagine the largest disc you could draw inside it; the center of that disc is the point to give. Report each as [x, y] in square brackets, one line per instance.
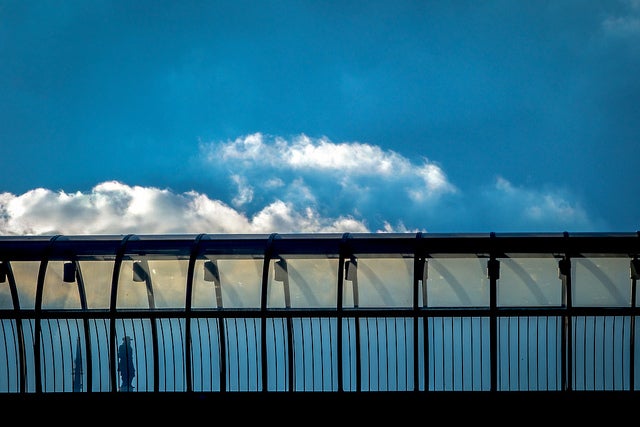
[320, 312]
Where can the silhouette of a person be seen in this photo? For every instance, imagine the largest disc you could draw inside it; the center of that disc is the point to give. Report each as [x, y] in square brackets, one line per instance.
[126, 367]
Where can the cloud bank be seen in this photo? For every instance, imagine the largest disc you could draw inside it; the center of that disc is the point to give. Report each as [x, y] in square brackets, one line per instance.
[297, 185]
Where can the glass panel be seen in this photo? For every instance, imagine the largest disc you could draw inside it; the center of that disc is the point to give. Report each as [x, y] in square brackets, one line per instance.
[239, 283]
[133, 291]
[26, 275]
[145, 282]
[57, 293]
[97, 276]
[310, 282]
[6, 302]
[601, 282]
[457, 282]
[529, 281]
[379, 282]
[169, 279]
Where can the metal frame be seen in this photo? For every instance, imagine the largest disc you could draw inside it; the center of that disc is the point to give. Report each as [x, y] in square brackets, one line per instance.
[492, 246]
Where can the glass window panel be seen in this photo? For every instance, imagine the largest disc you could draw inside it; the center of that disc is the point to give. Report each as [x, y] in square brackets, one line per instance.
[97, 276]
[169, 279]
[601, 282]
[311, 282]
[152, 283]
[240, 282]
[6, 302]
[132, 286]
[457, 282]
[57, 293]
[26, 276]
[380, 282]
[529, 281]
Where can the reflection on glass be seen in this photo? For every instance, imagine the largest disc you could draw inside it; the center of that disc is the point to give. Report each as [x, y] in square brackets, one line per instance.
[97, 276]
[601, 281]
[131, 292]
[236, 284]
[6, 302]
[57, 293]
[145, 282]
[379, 282]
[303, 282]
[529, 281]
[26, 275]
[457, 282]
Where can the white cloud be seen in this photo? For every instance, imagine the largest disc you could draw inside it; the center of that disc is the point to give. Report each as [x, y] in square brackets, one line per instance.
[245, 191]
[116, 208]
[624, 25]
[276, 194]
[351, 165]
[534, 208]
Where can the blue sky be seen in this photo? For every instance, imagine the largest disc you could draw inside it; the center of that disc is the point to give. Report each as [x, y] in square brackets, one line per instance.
[315, 116]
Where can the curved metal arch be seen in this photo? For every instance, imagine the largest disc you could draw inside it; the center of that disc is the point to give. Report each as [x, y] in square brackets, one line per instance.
[85, 320]
[195, 251]
[113, 374]
[42, 271]
[13, 289]
[268, 253]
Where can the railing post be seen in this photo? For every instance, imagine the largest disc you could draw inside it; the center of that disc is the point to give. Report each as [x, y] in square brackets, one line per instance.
[493, 272]
[635, 275]
[564, 270]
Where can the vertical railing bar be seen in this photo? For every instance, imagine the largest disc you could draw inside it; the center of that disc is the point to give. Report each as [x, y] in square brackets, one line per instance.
[162, 336]
[6, 352]
[613, 352]
[632, 324]
[199, 363]
[290, 351]
[509, 356]
[532, 334]
[237, 338]
[299, 356]
[322, 356]
[482, 321]
[518, 353]
[181, 349]
[258, 366]
[368, 338]
[603, 344]
[419, 268]
[315, 342]
[224, 376]
[537, 353]
[443, 356]
[461, 335]
[70, 342]
[472, 364]
[56, 373]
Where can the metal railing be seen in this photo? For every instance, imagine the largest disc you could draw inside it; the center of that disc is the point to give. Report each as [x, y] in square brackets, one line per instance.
[326, 312]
